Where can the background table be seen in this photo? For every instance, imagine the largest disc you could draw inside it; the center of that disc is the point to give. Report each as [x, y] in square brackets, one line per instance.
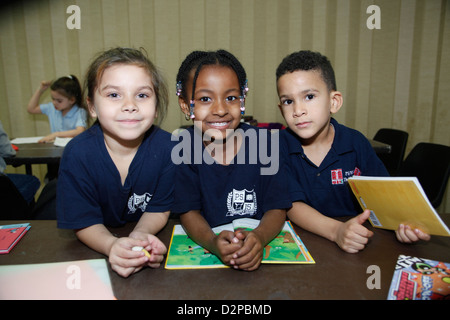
[335, 275]
[48, 153]
[35, 153]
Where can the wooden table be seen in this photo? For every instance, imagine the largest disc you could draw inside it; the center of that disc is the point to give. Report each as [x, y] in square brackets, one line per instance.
[48, 153]
[335, 275]
[35, 153]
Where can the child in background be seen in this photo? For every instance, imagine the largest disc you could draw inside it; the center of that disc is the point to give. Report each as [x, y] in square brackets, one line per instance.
[27, 184]
[322, 154]
[65, 113]
[212, 87]
[120, 169]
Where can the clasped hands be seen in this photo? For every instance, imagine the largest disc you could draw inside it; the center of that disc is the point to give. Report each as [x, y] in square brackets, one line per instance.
[241, 250]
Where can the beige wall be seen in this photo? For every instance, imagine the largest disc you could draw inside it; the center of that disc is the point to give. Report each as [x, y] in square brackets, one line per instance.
[396, 76]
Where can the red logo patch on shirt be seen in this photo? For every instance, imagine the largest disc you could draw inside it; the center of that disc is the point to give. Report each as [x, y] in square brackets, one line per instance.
[357, 172]
[337, 177]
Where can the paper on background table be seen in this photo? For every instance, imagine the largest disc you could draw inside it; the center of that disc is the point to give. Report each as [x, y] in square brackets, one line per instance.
[59, 142]
[56, 281]
[26, 140]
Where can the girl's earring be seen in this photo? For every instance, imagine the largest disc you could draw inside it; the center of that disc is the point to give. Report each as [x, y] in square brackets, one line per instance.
[244, 95]
[179, 88]
[191, 107]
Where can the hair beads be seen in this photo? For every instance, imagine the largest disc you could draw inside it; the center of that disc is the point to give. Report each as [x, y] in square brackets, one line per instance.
[196, 60]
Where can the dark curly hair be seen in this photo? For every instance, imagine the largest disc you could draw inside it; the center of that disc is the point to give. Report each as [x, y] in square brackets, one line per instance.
[197, 59]
[307, 60]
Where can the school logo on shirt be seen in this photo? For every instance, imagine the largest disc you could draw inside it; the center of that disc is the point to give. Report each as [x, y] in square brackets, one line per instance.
[241, 202]
[340, 177]
[336, 176]
[138, 202]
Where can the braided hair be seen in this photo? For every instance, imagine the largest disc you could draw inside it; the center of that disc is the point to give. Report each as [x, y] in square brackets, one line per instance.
[197, 59]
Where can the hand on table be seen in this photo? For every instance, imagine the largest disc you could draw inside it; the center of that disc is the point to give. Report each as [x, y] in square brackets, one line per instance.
[125, 261]
[47, 139]
[352, 236]
[406, 234]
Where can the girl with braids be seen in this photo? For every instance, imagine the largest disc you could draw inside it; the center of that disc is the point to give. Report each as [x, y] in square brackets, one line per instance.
[65, 113]
[211, 89]
[119, 170]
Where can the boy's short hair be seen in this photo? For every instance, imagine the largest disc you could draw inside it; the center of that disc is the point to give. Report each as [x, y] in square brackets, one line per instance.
[307, 60]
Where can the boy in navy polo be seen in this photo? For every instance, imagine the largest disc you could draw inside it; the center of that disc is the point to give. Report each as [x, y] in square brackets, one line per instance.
[322, 154]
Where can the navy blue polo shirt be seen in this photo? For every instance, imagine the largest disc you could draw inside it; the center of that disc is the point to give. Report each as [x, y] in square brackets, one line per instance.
[223, 193]
[90, 190]
[325, 187]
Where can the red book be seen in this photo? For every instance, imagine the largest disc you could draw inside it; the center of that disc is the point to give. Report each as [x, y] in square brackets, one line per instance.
[10, 235]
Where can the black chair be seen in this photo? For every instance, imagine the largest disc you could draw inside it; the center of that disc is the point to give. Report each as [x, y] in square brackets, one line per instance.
[397, 139]
[430, 163]
[45, 207]
[13, 205]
